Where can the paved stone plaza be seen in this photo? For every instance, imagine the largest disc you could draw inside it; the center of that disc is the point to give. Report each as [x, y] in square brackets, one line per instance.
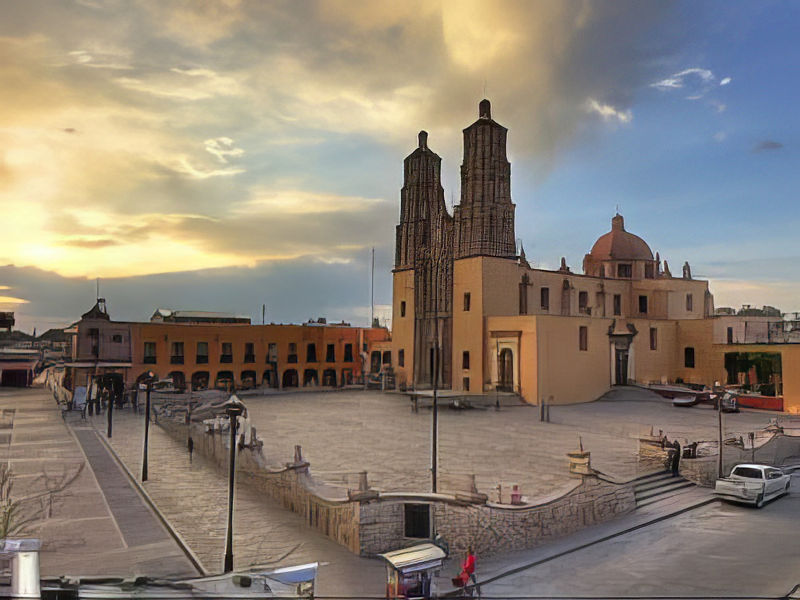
[93, 525]
[347, 432]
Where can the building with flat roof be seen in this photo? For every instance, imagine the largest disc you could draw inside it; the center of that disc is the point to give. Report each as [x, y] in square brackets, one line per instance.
[217, 352]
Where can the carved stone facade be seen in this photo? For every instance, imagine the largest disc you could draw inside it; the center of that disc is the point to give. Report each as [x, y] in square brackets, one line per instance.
[429, 238]
[425, 245]
[485, 218]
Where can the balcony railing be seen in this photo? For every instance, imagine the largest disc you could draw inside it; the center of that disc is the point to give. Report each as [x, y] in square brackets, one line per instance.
[226, 358]
[249, 358]
[149, 360]
[202, 359]
[176, 360]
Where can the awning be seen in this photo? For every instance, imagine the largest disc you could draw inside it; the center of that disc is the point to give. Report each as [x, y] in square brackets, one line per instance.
[298, 574]
[415, 558]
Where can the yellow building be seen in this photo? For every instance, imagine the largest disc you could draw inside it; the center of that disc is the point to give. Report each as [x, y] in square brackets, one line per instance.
[463, 293]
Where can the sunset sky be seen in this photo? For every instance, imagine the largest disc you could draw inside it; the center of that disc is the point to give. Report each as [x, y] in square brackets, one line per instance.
[217, 155]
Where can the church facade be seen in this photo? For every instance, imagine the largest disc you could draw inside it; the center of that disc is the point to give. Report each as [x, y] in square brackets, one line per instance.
[468, 306]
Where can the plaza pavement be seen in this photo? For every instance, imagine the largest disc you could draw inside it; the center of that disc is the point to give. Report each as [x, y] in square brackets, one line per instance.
[343, 433]
[74, 497]
[340, 432]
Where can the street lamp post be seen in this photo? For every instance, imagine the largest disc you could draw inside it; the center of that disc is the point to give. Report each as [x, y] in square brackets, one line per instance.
[233, 408]
[110, 412]
[150, 376]
[435, 266]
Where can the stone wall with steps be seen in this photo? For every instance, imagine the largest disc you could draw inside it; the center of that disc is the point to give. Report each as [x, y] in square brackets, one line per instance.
[372, 523]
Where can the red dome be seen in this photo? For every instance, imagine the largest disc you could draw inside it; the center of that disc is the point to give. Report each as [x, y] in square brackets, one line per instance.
[618, 244]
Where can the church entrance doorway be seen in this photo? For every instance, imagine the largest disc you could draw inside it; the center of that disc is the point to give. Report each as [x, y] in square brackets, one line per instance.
[505, 370]
[621, 366]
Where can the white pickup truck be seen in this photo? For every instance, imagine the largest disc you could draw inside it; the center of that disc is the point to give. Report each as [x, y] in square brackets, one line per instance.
[753, 484]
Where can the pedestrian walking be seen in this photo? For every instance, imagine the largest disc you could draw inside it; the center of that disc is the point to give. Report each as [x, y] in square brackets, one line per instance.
[190, 446]
[676, 459]
[469, 565]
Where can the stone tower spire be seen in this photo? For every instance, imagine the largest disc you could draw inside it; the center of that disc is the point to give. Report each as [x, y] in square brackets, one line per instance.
[424, 220]
[484, 221]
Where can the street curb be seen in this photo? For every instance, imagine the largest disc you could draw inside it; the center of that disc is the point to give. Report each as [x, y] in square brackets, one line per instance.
[517, 569]
[151, 503]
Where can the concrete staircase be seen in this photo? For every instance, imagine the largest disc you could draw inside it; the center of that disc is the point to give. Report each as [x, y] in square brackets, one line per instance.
[654, 487]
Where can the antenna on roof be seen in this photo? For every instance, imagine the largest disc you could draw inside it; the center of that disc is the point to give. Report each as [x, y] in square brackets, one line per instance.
[372, 291]
[617, 208]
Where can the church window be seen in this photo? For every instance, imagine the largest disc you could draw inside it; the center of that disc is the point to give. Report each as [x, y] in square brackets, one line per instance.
[402, 308]
[583, 301]
[545, 298]
[689, 303]
[624, 270]
[653, 338]
[466, 301]
[401, 358]
[465, 359]
[643, 305]
[583, 338]
[649, 271]
[617, 305]
[688, 357]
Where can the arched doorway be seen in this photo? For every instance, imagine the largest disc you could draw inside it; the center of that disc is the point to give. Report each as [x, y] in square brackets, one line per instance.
[347, 376]
[269, 379]
[505, 370]
[329, 377]
[178, 380]
[200, 380]
[248, 379]
[290, 378]
[224, 380]
[310, 378]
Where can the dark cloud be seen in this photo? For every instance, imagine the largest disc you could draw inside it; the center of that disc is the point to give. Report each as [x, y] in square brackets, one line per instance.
[293, 290]
[767, 145]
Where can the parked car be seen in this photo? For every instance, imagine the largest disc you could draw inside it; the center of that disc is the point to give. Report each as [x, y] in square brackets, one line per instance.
[753, 484]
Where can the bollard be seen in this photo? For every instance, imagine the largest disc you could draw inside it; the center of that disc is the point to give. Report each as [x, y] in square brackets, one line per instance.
[24, 554]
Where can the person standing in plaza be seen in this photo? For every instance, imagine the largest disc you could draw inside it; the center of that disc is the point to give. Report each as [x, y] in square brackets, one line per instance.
[676, 458]
[190, 447]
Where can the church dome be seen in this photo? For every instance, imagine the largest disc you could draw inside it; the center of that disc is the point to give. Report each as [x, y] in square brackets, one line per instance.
[619, 244]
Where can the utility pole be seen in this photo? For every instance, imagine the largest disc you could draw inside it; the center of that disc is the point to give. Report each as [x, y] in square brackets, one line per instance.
[372, 290]
[435, 415]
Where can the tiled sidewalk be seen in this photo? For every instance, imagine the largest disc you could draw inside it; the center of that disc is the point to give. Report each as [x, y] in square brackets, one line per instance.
[90, 519]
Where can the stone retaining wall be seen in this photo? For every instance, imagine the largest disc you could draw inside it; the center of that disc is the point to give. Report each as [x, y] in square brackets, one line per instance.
[368, 523]
[291, 486]
[491, 528]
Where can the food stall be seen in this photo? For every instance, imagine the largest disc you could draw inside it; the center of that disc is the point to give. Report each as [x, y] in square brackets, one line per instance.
[410, 571]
